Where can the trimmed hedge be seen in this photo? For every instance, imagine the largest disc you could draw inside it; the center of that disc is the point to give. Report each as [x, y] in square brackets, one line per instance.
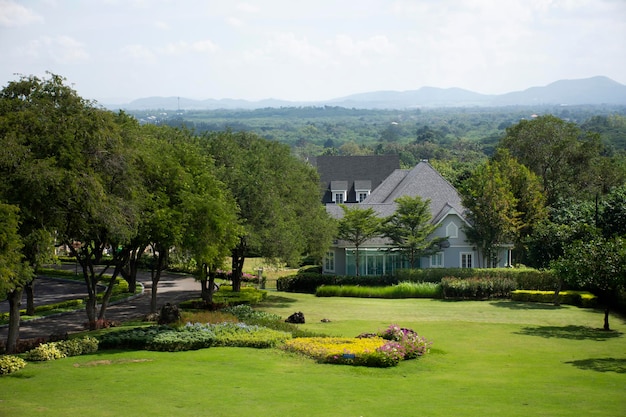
[577, 298]
[524, 278]
[477, 288]
[62, 349]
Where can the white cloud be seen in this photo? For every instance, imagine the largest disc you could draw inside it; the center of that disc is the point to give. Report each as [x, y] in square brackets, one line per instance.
[138, 53]
[61, 49]
[14, 15]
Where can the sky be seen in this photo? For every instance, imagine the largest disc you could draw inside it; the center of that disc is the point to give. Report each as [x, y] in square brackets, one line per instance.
[114, 51]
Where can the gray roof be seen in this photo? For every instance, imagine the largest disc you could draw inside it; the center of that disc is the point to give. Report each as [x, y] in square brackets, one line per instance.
[423, 180]
[360, 172]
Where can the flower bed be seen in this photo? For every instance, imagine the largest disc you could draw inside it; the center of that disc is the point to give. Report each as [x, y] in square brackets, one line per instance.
[383, 349]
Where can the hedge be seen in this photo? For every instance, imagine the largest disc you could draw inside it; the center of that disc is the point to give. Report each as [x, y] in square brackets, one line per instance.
[523, 278]
[577, 298]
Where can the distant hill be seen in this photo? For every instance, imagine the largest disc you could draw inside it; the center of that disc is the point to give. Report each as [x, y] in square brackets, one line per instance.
[595, 90]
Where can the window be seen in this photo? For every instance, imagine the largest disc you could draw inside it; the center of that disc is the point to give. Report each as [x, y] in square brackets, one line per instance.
[452, 230]
[466, 260]
[362, 196]
[436, 260]
[329, 261]
[338, 198]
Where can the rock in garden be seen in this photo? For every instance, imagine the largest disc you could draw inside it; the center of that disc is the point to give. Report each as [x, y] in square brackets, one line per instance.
[169, 314]
[296, 318]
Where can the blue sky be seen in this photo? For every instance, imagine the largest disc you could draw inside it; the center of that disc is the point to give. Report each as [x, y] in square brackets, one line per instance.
[114, 51]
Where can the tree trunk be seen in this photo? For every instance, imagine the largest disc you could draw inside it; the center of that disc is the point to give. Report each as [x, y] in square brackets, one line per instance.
[30, 298]
[356, 260]
[557, 290]
[107, 295]
[238, 255]
[207, 280]
[15, 301]
[606, 319]
[155, 275]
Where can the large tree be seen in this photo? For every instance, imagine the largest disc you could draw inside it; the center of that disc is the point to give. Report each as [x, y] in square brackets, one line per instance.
[492, 211]
[409, 228]
[357, 226]
[15, 273]
[559, 152]
[70, 170]
[278, 199]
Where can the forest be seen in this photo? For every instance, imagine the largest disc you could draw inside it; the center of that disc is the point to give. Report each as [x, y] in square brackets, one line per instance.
[456, 139]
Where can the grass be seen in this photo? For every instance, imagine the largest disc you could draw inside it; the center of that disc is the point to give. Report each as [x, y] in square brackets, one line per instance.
[488, 359]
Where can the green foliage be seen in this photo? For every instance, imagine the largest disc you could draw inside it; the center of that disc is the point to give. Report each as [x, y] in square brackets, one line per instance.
[597, 265]
[246, 314]
[308, 282]
[44, 352]
[357, 226]
[62, 349]
[10, 364]
[409, 228]
[227, 297]
[475, 288]
[492, 211]
[402, 290]
[193, 336]
[577, 298]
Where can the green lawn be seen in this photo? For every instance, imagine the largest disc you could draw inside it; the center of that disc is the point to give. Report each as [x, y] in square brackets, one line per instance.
[497, 358]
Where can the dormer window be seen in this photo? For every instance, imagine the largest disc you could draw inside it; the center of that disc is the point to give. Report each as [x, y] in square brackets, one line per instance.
[339, 191]
[362, 189]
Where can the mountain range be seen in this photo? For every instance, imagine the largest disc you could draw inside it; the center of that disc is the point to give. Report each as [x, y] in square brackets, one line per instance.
[588, 91]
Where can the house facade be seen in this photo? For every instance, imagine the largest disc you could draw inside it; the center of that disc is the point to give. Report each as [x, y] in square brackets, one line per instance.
[377, 257]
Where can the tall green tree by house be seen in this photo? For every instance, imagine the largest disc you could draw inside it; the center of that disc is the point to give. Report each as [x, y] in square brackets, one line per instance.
[278, 199]
[492, 211]
[15, 273]
[409, 228]
[357, 226]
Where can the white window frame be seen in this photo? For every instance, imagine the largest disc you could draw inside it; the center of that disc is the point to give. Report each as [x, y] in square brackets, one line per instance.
[452, 230]
[342, 194]
[463, 262]
[437, 257]
[362, 193]
[329, 261]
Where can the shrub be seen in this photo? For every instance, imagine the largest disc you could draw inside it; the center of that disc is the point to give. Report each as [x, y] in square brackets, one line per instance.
[75, 347]
[227, 297]
[185, 338]
[137, 338]
[477, 288]
[246, 335]
[577, 298]
[44, 352]
[10, 364]
[401, 290]
[413, 344]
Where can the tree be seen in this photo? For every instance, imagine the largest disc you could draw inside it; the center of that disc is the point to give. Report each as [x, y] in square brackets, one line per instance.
[70, 170]
[409, 228]
[598, 265]
[612, 216]
[278, 199]
[15, 273]
[357, 226]
[557, 151]
[492, 211]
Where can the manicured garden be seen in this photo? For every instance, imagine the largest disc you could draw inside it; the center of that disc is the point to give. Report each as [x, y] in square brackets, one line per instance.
[498, 357]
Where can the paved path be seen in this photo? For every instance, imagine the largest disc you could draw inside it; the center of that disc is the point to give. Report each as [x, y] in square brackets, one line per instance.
[173, 288]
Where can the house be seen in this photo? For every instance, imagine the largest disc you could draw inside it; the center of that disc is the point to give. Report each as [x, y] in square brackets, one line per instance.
[351, 179]
[376, 255]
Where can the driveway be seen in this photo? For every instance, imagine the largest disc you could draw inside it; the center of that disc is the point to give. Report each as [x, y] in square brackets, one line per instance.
[173, 288]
